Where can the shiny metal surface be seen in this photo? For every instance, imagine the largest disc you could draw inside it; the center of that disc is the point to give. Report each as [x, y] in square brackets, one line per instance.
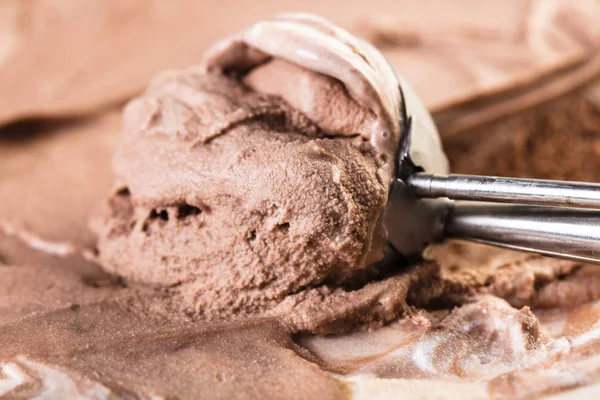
[549, 217]
[506, 190]
[413, 223]
[560, 232]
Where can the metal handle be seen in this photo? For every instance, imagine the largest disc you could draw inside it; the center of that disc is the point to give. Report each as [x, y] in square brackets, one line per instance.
[506, 190]
[560, 232]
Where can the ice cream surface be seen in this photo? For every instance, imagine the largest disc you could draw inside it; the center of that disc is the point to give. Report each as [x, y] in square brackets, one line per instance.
[473, 322]
[254, 183]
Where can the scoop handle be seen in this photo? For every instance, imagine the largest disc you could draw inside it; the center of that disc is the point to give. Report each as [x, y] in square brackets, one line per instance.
[570, 233]
[506, 190]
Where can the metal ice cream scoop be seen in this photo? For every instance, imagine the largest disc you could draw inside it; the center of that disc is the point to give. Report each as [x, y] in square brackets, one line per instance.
[555, 218]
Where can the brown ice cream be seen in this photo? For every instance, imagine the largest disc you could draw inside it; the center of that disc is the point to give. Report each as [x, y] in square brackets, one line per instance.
[212, 178]
[473, 323]
[254, 184]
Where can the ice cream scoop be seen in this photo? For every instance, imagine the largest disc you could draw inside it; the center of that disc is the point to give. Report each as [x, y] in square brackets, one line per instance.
[555, 218]
[549, 217]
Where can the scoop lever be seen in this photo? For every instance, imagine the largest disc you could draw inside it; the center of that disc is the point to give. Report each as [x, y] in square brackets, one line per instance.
[570, 233]
[555, 218]
[506, 190]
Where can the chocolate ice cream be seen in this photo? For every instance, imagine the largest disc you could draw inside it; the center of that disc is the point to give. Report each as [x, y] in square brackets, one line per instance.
[253, 182]
[472, 322]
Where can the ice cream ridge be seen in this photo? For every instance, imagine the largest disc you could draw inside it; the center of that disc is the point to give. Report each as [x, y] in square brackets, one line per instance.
[256, 182]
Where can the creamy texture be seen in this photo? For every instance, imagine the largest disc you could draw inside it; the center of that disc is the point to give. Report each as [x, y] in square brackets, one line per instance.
[505, 44]
[240, 192]
[104, 52]
[69, 164]
[66, 327]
